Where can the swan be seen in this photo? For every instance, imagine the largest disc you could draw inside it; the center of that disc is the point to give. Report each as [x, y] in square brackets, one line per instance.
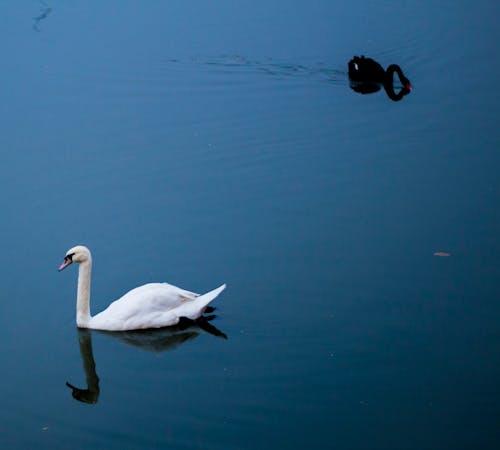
[153, 305]
[367, 70]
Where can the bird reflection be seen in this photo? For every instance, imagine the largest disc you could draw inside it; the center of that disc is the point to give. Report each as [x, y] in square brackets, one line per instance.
[367, 76]
[153, 340]
[91, 394]
[44, 12]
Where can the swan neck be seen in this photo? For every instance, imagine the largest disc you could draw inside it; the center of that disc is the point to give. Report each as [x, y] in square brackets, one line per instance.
[390, 74]
[83, 295]
[389, 83]
[394, 68]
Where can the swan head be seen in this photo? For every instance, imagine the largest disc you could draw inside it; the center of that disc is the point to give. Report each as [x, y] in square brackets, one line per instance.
[78, 254]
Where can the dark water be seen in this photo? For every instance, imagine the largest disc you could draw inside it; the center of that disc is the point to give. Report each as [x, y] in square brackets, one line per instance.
[201, 143]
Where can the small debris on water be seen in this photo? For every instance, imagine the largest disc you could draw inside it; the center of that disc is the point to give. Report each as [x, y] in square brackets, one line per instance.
[441, 254]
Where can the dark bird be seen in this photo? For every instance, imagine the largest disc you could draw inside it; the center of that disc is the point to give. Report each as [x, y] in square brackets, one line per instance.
[367, 76]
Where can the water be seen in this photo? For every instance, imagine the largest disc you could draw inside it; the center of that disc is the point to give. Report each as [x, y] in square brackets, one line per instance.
[198, 145]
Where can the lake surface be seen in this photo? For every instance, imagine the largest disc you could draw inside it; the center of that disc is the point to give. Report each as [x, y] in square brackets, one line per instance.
[208, 142]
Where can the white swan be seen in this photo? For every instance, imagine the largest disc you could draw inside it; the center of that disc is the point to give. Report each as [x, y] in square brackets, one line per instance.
[152, 305]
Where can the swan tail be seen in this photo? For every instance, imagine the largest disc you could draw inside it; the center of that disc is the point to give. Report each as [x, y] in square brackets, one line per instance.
[193, 310]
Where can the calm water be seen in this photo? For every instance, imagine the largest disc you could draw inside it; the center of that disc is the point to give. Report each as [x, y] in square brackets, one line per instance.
[201, 143]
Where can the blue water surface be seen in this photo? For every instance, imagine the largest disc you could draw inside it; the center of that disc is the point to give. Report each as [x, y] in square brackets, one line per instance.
[208, 142]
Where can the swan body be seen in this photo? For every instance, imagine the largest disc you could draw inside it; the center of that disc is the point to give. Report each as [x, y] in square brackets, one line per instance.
[366, 70]
[153, 305]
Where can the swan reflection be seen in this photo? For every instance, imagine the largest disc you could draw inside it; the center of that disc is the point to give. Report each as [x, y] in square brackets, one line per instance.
[91, 394]
[367, 76]
[153, 340]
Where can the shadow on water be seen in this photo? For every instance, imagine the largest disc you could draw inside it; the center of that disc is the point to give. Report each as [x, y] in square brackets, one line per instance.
[153, 340]
[44, 12]
[367, 76]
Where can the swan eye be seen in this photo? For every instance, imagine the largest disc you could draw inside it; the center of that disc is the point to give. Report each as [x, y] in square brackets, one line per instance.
[69, 257]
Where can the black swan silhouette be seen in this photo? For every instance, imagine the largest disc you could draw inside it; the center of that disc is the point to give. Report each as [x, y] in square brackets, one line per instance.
[367, 76]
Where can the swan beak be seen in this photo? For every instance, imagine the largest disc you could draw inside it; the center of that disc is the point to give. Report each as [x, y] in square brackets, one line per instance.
[67, 261]
[408, 86]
